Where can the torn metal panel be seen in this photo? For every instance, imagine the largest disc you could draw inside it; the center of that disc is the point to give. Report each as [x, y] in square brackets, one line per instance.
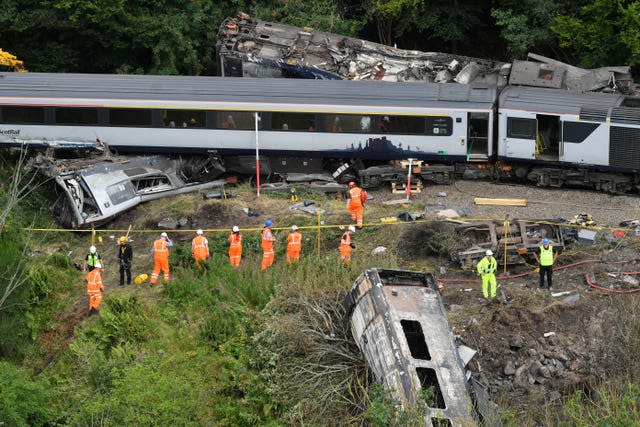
[399, 323]
[249, 47]
[518, 240]
[94, 191]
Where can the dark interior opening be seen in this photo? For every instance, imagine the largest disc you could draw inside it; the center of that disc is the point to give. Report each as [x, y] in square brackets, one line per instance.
[431, 392]
[441, 422]
[415, 339]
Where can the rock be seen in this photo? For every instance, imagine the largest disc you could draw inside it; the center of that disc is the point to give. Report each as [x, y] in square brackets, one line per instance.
[520, 371]
[534, 367]
[182, 222]
[167, 224]
[532, 352]
[379, 250]
[571, 299]
[531, 380]
[447, 213]
[455, 307]
[632, 281]
[545, 371]
[509, 368]
[562, 357]
[516, 342]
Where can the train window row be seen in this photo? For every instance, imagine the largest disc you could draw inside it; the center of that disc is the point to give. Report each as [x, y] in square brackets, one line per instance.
[240, 120]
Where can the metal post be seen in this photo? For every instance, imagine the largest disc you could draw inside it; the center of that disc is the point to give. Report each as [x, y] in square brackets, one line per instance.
[318, 234]
[257, 156]
[506, 239]
[409, 179]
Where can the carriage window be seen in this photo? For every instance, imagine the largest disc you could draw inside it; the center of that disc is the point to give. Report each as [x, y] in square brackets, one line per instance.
[184, 118]
[521, 128]
[293, 121]
[26, 115]
[76, 116]
[243, 120]
[577, 132]
[402, 125]
[346, 123]
[439, 126]
[129, 117]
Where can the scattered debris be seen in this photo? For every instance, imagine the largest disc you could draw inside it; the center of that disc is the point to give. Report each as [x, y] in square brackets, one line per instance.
[548, 334]
[560, 294]
[571, 299]
[307, 207]
[583, 219]
[379, 250]
[250, 212]
[587, 237]
[517, 238]
[447, 213]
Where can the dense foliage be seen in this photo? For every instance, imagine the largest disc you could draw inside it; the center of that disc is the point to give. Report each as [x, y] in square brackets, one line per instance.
[170, 37]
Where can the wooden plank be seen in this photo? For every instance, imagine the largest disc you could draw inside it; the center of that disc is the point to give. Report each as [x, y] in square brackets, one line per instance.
[500, 202]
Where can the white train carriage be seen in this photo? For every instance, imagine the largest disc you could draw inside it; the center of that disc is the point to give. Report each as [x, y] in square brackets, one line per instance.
[305, 118]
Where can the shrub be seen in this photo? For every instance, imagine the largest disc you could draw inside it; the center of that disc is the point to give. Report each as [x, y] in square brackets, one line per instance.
[24, 402]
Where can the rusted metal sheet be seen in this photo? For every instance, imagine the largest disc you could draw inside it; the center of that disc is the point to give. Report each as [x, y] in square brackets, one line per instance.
[516, 239]
[399, 323]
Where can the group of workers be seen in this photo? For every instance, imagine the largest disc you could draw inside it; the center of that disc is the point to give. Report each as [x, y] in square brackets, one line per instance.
[488, 265]
[200, 249]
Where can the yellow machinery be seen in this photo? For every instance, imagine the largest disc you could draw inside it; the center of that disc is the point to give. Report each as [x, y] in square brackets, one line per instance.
[9, 60]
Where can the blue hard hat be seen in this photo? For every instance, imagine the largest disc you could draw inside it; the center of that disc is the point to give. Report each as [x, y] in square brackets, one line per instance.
[268, 223]
[545, 241]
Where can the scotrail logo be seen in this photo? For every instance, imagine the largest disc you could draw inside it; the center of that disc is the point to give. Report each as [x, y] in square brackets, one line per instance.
[10, 132]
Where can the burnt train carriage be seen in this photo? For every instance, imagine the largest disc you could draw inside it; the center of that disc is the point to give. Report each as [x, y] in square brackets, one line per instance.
[582, 139]
[298, 118]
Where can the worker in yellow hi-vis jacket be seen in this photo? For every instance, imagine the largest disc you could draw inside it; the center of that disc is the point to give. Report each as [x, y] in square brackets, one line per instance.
[486, 269]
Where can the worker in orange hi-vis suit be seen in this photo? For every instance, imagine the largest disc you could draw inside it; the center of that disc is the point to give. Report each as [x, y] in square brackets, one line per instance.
[94, 288]
[294, 245]
[355, 204]
[346, 246]
[160, 254]
[235, 246]
[200, 249]
[267, 245]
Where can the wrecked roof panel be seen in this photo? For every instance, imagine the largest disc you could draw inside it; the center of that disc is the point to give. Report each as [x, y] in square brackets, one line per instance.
[142, 89]
[555, 101]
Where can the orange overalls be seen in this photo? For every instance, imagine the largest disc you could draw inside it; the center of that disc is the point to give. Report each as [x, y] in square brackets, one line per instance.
[294, 246]
[200, 249]
[94, 288]
[235, 249]
[160, 261]
[345, 248]
[356, 209]
[267, 248]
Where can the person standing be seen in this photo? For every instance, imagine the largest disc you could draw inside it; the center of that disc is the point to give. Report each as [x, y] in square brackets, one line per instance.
[125, 257]
[355, 204]
[92, 259]
[94, 288]
[545, 262]
[160, 254]
[486, 269]
[200, 249]
[294, 245]
[267, 245]
[235, 246]
[346, 245]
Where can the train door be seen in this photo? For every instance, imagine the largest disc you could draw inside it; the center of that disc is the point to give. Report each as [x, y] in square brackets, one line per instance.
[548, 138]
[478, 136]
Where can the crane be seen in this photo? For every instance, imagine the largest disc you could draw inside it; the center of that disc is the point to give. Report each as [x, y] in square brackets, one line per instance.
[9, 60]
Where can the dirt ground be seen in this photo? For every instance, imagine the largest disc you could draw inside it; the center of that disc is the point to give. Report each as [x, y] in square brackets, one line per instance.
[532, 346]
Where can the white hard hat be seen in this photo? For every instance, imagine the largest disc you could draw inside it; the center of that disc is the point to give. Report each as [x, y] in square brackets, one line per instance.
[163, 234]
[489, 252]
[199, 231]
[92, 249]
[235, 229]
[294, 227]
[352, 229]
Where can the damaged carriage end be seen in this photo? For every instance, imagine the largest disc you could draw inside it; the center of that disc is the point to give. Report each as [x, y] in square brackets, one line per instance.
[398, 321]
[94, 192]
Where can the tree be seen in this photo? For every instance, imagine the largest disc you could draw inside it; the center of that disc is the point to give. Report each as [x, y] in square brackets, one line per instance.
[386, 14]
[605, 32]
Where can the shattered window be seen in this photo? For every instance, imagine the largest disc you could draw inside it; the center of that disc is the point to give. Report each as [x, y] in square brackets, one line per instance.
[243, 120]
[346, 123]
[521, 128]
[120, 192]
[184, 118]
[27, 115]
[76, 116]
[293, 121]
[130, 117]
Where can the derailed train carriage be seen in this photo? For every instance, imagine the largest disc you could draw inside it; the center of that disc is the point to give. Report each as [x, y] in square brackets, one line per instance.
[547, 136]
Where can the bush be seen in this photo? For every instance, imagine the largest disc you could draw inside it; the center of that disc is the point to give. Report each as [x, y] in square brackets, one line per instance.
[24, 402]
